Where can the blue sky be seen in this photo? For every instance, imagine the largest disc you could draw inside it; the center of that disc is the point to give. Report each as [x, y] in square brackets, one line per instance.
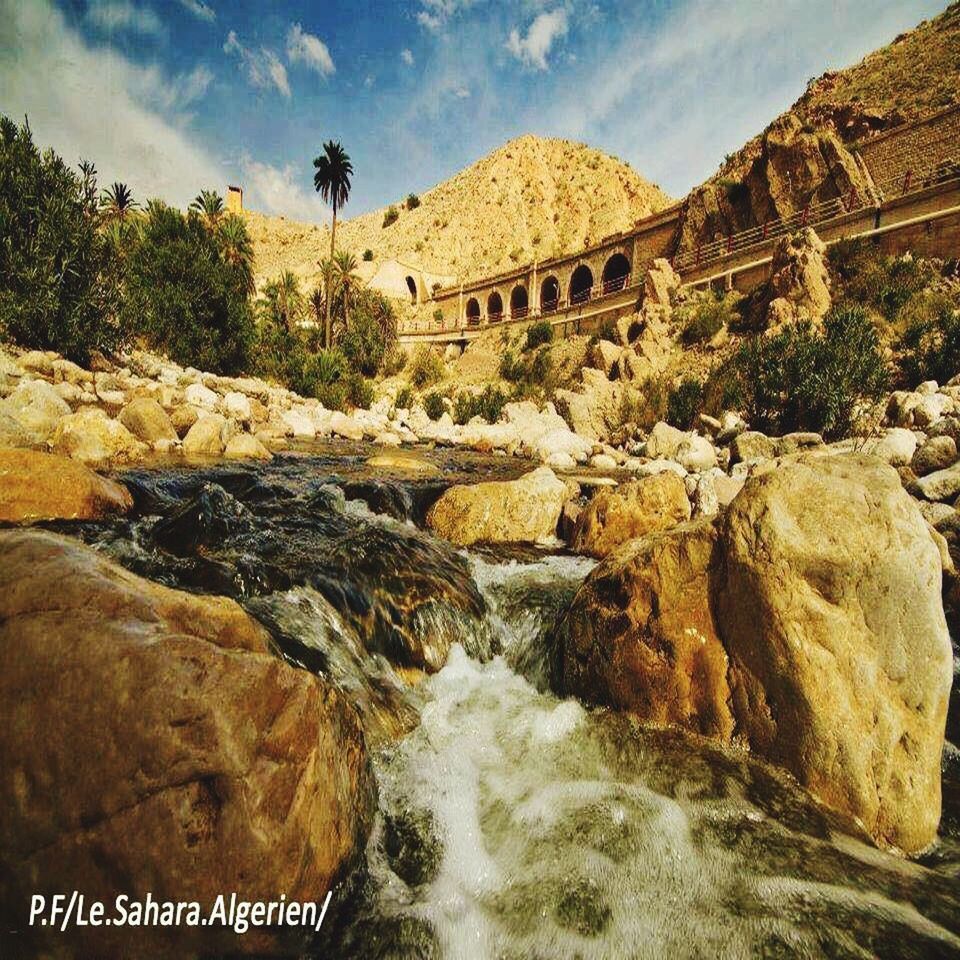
[174, 95]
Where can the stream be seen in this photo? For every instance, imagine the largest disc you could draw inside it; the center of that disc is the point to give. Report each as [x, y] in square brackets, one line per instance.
[513, 823]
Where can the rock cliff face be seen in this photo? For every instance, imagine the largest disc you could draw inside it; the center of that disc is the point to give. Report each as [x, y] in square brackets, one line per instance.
[153, 743]
[791, 165]
[808, 622]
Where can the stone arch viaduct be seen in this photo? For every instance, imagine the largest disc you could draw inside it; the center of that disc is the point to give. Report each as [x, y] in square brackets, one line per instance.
[911, 206]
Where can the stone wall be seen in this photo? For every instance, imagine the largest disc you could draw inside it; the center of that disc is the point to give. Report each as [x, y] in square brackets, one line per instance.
[915, 147]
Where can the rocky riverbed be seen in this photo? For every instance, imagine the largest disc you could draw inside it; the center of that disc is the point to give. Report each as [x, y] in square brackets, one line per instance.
[685, 695]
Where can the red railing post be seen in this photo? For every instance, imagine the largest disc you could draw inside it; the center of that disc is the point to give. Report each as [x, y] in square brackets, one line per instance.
[766, 229]
[805, 218]
[907, 177]
[699, 249]
[730, 243]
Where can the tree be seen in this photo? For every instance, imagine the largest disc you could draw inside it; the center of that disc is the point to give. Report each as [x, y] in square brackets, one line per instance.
[332, 182]
[345, 265]
[183, 296]
[282, 302]
[237, 249]
[117, 201]
[209, 204]
[58, 274]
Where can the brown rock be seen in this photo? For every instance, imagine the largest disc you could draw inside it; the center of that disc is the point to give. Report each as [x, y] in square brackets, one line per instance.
[509, 511]
[631, 510]
[92, 437]
[660, 283]
[147, 420]
[841, 664]
[183, 418]
[800, 282]
[640, 636]
[43, 486]
[153, 743]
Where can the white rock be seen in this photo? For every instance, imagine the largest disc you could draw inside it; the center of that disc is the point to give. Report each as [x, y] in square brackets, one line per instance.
[603, 461]
[200, 396]
[346, 427]
[653, 467]
[696, 454]
[298, 425]
[897, 446]
[237, 407]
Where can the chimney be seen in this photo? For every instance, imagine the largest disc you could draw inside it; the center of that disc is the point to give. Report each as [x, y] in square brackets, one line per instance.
[234, 199]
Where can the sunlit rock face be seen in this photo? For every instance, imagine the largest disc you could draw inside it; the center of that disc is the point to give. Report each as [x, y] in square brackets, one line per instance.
[808, 622]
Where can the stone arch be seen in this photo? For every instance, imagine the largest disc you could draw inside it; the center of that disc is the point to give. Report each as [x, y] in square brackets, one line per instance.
[494, 307]
[519, 302]
[616, 273]
[581, 280]
[473, 312]
[412, 287]
[549, 294]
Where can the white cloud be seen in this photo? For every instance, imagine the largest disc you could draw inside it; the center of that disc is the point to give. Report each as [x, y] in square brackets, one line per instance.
[429, 20]
[534, 48]
[303, 47]
[50, 74]
[262, 67]
[435, 13]
[274, 190]
[199, 9]
[369, 81]
[406, 56]
[121, 15]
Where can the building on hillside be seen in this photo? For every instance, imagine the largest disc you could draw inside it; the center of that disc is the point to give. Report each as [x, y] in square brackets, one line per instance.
[403, 280]
[234, 199]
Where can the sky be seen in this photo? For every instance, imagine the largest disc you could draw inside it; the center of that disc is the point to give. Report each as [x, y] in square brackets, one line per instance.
[171, 96]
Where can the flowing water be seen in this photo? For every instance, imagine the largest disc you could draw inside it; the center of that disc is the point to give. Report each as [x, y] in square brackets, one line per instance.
[513, 823]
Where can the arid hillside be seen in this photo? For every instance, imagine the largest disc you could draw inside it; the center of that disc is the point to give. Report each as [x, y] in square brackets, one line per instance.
[532, 197]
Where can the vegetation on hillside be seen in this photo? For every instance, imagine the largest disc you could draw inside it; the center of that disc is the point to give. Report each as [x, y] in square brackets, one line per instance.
[82, 271]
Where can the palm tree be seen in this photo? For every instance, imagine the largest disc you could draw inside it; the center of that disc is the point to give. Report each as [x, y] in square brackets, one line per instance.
[237, 248]
[345, 265]
[118, 202]
[283, 301]
[209, 204]
[332, 182]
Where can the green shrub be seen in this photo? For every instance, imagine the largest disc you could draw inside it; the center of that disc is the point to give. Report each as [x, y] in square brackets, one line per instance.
[703, 317]
[363, 344]
[438, 315]
[425, 368]
[800, 379]
[532, 375]
[488, 404]
[413, 201]
[390, 216]
[358, 390]
[722, 389]
[683, 403]
[929, 347]
[404, 399]
[183, 297]
[646, 405]
[538, 334]
[433, 405]
[394, 360]
[319, 374]
[367, 255]
[872, 279]
[59, 272]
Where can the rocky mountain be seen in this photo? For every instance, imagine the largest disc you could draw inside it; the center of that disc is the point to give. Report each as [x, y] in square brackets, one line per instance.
[534, 197]
[805, 155]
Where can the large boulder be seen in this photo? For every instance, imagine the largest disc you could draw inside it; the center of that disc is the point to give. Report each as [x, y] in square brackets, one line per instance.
[91, 436]
[630, 510]
[153, 744]
[30, 414]
[43, 486]
[640, 635]
[823, 584]
[208, 436]
[147, 421]
[507, 511]
[660, 283]
[830, 611]
[664, 441]
[800, 284]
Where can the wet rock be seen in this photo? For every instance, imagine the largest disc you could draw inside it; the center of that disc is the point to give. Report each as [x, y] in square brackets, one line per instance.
[630, 510]
[403, 462]
[649, 597]
[214, 766]
[43, 486]
[508, 511]
[412, 845]
[92, 437]
[147, 420]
